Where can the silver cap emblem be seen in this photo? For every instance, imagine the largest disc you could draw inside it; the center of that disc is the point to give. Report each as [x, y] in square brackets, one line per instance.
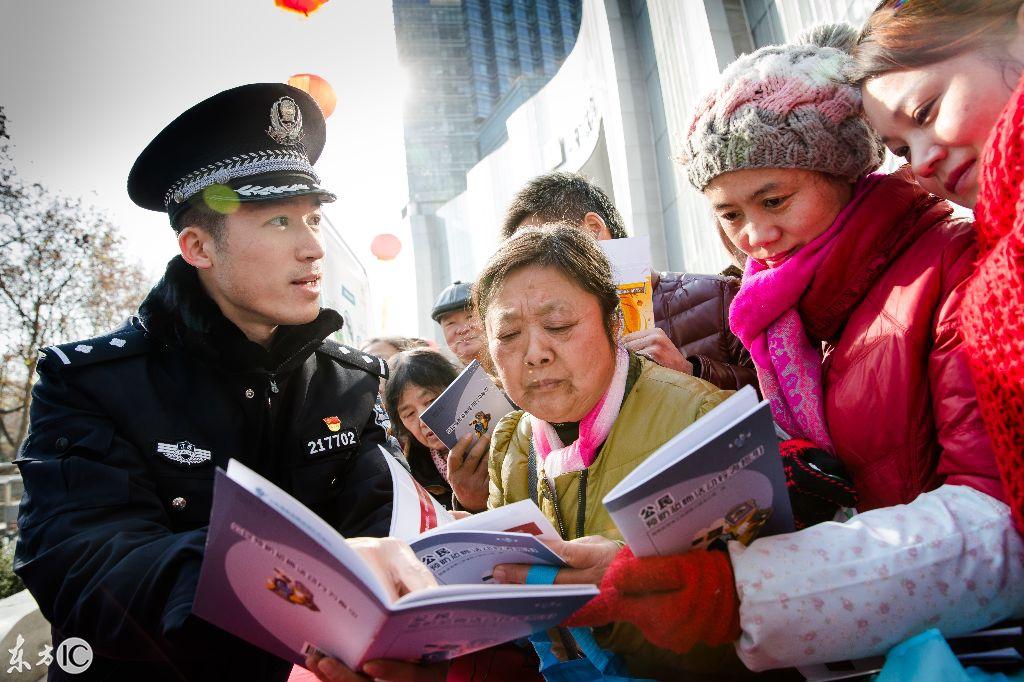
[285, 122]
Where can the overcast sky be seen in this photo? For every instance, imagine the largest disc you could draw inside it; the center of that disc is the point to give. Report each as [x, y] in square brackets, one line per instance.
[87, 83]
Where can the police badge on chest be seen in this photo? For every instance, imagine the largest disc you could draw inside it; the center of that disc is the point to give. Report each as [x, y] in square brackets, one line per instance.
[183, 453]
[338, 438]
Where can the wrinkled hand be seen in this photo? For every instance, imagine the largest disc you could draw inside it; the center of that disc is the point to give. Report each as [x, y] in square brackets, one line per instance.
[655, 345]
[332, 670]
[588, 559]
[394, 564]
[467, 471]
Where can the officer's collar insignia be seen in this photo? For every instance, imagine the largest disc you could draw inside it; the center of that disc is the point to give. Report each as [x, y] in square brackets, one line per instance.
[183, 453]
[285, 122]
[333, 423]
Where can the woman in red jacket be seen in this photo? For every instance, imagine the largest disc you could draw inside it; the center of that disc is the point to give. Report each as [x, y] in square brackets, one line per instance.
[955, 110]
[849, 306]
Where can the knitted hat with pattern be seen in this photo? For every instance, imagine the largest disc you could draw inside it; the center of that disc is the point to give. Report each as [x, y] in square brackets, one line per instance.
[785, 106]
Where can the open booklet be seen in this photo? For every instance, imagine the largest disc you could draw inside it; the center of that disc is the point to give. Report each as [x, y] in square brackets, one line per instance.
[280, 577]
[467, 550]
[471, 404]
[719, 479]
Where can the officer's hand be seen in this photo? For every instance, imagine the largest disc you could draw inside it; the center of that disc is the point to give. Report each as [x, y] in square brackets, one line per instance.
[333, 670]
[654, 344]
[394, 564]
[588, 559]
[467, 471]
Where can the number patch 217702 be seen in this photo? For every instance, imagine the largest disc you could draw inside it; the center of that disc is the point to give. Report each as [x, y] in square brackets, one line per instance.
[343, 440]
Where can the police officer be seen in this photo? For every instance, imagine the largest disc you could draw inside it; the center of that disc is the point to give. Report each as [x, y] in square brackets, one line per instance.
[229, 357]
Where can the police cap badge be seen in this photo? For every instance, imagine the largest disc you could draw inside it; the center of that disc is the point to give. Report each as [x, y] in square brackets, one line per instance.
[251, 143]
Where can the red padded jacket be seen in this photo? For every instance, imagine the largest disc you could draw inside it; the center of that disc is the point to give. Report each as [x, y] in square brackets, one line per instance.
[900, 403]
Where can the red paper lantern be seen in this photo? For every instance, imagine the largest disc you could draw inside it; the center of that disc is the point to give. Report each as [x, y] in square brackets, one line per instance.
[301, 6]
[318, 89]
[385, 246]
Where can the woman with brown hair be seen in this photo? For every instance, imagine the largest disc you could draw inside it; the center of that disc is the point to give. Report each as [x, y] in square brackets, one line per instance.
[942, 84]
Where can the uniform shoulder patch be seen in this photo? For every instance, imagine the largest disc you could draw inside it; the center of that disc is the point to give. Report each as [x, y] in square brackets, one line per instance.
[121, 343]
[347, 355]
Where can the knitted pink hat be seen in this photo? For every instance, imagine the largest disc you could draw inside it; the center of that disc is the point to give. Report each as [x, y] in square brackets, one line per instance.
[785, 106]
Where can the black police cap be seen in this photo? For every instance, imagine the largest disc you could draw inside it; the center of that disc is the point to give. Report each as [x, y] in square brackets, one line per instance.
[251, 143]
[455, 297]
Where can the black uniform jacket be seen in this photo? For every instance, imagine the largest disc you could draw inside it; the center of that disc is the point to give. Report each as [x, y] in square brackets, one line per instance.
[126, 432]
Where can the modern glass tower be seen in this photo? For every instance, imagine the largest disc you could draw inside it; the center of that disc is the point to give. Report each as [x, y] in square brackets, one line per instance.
[469, 64]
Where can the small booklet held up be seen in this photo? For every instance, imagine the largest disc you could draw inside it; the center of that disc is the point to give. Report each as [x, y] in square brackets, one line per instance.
[631, 269]
[280, 577]
[719, 479]
[472, 404]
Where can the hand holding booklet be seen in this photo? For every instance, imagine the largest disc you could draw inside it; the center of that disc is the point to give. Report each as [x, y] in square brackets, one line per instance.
[471, 404]
[467, 550]
[719, 479]
[280, 577]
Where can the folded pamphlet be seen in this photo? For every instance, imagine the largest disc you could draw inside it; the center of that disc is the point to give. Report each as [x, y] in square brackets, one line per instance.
[720, 479]
[631, 270]
[472, 404]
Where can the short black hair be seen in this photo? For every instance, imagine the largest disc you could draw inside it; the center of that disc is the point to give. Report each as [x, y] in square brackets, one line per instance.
[421, 367]
[562, 197]
[202, 216]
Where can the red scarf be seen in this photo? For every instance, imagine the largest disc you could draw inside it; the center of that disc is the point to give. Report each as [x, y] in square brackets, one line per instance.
[993, 309]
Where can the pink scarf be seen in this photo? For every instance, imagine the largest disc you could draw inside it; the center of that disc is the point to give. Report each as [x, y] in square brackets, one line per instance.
[765, 318]
[556, 458]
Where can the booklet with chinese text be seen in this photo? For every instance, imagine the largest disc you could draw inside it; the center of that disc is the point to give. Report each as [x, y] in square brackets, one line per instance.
[467, 550]
[472, 404]
[719, 479]
[278, 576]
[631, 270]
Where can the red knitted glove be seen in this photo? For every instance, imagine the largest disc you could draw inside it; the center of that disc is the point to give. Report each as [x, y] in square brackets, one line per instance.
[676, 601]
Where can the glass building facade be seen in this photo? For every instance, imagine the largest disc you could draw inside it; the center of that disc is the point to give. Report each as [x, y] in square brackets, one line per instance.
[462, 57]
[469, 64]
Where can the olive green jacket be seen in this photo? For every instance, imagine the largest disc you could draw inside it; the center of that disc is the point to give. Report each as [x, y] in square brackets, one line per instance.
[660, 404]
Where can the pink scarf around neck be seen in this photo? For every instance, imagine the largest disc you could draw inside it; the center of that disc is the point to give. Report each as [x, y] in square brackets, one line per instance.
[764, 316]
[557, 458]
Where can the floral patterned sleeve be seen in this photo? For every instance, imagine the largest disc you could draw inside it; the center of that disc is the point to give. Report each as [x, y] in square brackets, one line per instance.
[950, 559]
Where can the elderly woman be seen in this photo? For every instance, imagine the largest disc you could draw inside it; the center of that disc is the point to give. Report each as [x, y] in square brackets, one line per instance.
[591, 411]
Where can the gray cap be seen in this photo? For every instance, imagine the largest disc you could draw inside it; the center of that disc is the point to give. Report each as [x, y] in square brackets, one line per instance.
[456, 296]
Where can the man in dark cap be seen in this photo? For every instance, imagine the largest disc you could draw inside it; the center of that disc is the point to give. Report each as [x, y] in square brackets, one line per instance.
[229, 357]
[460, 326]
